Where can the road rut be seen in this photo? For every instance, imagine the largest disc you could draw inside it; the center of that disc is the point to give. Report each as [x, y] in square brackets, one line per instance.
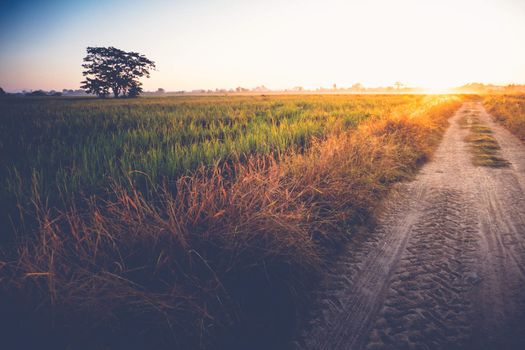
[445, 265]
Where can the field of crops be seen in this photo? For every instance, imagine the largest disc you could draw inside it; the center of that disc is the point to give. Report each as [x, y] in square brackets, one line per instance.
[77, 144]
[508, 110]
[183, 256]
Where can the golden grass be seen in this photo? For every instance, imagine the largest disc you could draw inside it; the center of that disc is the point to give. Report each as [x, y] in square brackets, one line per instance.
[508, 110]
[184, 268]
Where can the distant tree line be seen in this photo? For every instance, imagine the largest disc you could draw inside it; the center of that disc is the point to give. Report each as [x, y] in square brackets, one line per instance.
[44, 93]
[111, 70]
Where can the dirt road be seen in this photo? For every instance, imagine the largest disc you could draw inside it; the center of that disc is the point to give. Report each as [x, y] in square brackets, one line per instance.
[445, 266]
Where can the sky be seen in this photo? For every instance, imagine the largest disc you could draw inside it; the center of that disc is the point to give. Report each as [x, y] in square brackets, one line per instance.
[208, 44]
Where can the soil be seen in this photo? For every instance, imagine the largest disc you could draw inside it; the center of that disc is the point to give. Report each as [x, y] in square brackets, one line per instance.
[445, 266]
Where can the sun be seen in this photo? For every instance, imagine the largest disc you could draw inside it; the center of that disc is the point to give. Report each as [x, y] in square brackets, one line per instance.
[437, 88]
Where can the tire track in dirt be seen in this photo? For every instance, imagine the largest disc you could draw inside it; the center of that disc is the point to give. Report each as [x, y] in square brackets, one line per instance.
[377, 254]
[445, 266]
[425, 307]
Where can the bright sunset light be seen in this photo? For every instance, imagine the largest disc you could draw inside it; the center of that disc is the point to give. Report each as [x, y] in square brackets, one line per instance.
[207, 44]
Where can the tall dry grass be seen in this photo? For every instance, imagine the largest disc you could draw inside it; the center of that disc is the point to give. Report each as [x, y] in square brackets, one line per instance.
[218, 257]
[509, 110]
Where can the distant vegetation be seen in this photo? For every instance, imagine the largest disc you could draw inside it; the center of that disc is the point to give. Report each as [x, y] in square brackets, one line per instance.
[41, 93]
[124, 241]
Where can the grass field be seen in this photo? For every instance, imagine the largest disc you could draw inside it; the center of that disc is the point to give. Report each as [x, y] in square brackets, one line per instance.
[508, 110]
[72, 145]
[182, 222]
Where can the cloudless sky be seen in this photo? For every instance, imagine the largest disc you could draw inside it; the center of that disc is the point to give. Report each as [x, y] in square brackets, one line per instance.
[281, 44]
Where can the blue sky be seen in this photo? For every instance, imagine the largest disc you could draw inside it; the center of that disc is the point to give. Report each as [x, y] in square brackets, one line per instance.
[222, 44]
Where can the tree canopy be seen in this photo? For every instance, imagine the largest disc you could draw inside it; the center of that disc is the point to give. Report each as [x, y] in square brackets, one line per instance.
[111, 70]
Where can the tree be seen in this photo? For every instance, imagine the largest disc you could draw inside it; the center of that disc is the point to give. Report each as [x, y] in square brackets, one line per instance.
[108, 69]
[134, 90]
[2, 92]
[37, 93]
[357, 87]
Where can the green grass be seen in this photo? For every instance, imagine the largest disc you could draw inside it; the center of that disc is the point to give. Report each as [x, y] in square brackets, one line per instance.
[72, 145]
[484, 147]
[480, 129]
[202, 258]
[483, 141]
